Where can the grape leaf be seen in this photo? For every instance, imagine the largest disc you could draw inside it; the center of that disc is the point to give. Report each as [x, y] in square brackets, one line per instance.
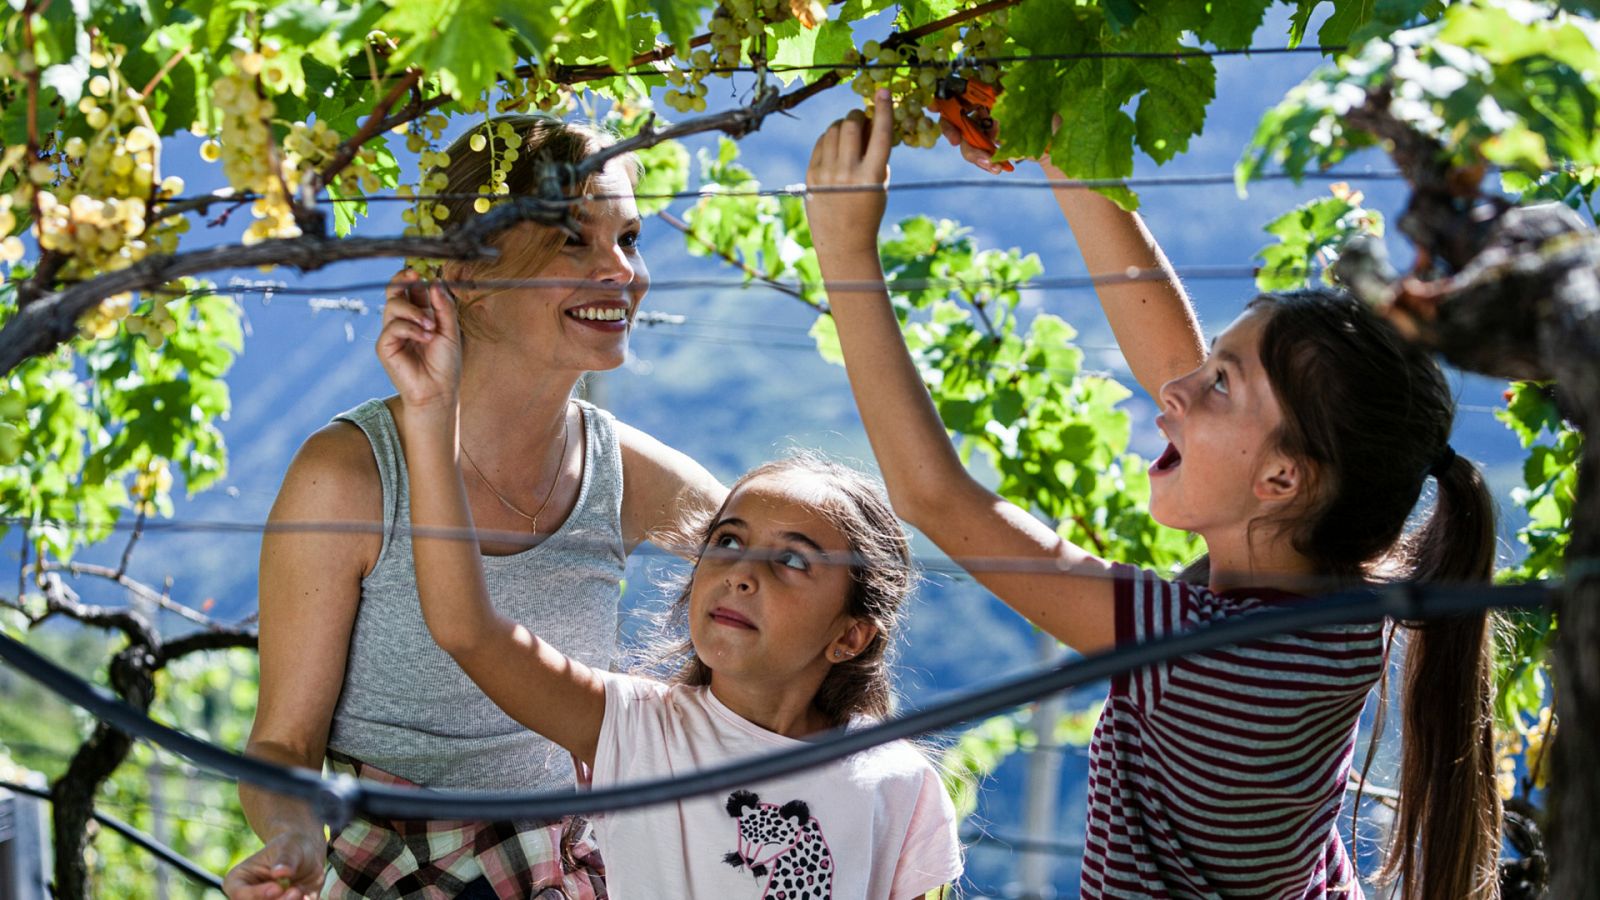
[1095, 141]
[1233, 25]
[1173, 107]
[679, 19]
[799, 46]
[1301, 20]
[456, 39]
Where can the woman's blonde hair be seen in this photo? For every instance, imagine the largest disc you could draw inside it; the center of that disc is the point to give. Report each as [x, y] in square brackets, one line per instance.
[525, 250]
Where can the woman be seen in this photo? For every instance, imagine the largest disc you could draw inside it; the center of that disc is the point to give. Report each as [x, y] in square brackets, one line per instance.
[560, 493]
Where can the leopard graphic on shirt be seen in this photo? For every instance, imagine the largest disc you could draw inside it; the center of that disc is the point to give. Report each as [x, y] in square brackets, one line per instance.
[783, 843]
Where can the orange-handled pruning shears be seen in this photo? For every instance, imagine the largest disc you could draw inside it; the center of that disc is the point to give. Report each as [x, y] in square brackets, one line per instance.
[966, 102]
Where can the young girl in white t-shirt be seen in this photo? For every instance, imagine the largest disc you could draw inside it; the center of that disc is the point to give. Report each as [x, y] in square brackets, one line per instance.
[791, 607]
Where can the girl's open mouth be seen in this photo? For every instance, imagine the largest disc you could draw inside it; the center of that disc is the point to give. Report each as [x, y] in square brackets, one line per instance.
[1169, 460]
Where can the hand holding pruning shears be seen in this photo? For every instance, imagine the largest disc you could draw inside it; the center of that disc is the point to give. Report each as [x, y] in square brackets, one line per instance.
[964, 106]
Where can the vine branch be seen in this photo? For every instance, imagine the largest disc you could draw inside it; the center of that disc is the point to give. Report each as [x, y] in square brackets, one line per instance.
[375, 124]
[46, 320]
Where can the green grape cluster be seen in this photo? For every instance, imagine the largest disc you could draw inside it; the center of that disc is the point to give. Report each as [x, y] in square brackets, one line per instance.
[931, 60]
[733, 23]
[155, 323]
[101, 321]
[11, 248]
[92, 197]
[308, 148]
[250, 157]
[151, 482]
[534, 93]
[500, 142]
[426, 216]
[985, 39]
[912, 88]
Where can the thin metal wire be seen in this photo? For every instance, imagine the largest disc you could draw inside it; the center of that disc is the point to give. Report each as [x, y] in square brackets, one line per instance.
[962, 62]
[136, 837]
[1216, 179]
[1131, 275]
[685, 552]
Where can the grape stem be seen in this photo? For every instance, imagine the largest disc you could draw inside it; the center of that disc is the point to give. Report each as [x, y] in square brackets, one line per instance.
[376, 124]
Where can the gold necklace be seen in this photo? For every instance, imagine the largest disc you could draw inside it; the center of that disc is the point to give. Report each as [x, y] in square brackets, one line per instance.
[533, 520]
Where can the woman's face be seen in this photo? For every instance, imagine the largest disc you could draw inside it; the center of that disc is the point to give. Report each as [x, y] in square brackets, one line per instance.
[582, 323]
[1222, 468]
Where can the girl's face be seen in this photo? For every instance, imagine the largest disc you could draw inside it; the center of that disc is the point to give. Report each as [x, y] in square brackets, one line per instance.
[768, 601]
[1222, 467]
[582, 327]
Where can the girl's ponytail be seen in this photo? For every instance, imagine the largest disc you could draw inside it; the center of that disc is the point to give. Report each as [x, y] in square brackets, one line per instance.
[1446, 841]
[1371, 415]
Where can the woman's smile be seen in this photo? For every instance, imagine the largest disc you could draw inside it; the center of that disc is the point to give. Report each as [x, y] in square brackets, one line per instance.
[607, 316]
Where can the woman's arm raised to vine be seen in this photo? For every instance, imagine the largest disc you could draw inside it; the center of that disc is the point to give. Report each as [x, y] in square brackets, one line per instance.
[1059, 586]
[537, 685]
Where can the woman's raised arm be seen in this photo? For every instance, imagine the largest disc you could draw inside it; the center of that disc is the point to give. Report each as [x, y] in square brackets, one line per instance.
[534, 683]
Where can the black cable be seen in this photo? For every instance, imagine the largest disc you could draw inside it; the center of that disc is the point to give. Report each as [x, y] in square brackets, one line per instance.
[136, 837]
[339, 799]
[117, 713]
[1017, 843]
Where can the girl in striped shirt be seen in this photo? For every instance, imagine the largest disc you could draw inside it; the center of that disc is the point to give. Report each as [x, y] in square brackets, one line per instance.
[1298, 447]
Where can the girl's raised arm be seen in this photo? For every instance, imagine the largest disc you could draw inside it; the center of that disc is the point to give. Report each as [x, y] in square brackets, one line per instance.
[560, 698]
[1151, 317]
[1060, 587]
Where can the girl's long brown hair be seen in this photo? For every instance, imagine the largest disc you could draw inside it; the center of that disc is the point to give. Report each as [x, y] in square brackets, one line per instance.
[1371, 416]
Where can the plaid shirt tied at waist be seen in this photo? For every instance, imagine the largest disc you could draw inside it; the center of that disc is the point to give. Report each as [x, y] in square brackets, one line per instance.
[411, 859]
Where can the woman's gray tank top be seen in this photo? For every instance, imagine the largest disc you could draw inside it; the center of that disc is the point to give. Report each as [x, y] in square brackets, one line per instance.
[406, 707]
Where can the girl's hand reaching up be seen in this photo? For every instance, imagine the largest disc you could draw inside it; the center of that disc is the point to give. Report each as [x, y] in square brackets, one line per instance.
[852, 153]
[420, 345]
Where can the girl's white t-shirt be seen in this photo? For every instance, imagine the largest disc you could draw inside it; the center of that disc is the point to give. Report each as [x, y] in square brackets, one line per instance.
[874, 826]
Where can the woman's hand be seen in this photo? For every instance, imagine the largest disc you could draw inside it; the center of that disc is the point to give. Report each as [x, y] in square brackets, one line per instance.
[420, 345]
[851, 153]
[289, 867]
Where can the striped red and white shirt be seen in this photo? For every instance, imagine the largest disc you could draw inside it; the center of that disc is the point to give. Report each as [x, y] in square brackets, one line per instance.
[1222, 774]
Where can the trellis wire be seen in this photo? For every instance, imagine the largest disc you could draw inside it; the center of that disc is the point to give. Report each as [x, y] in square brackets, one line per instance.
[1213, 179]
[136, 837]
[1131, 275]
[957, 63]
[687, 552]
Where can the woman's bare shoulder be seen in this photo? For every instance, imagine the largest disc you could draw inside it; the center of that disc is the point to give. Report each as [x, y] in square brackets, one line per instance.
[665, 492]
[334, 470]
